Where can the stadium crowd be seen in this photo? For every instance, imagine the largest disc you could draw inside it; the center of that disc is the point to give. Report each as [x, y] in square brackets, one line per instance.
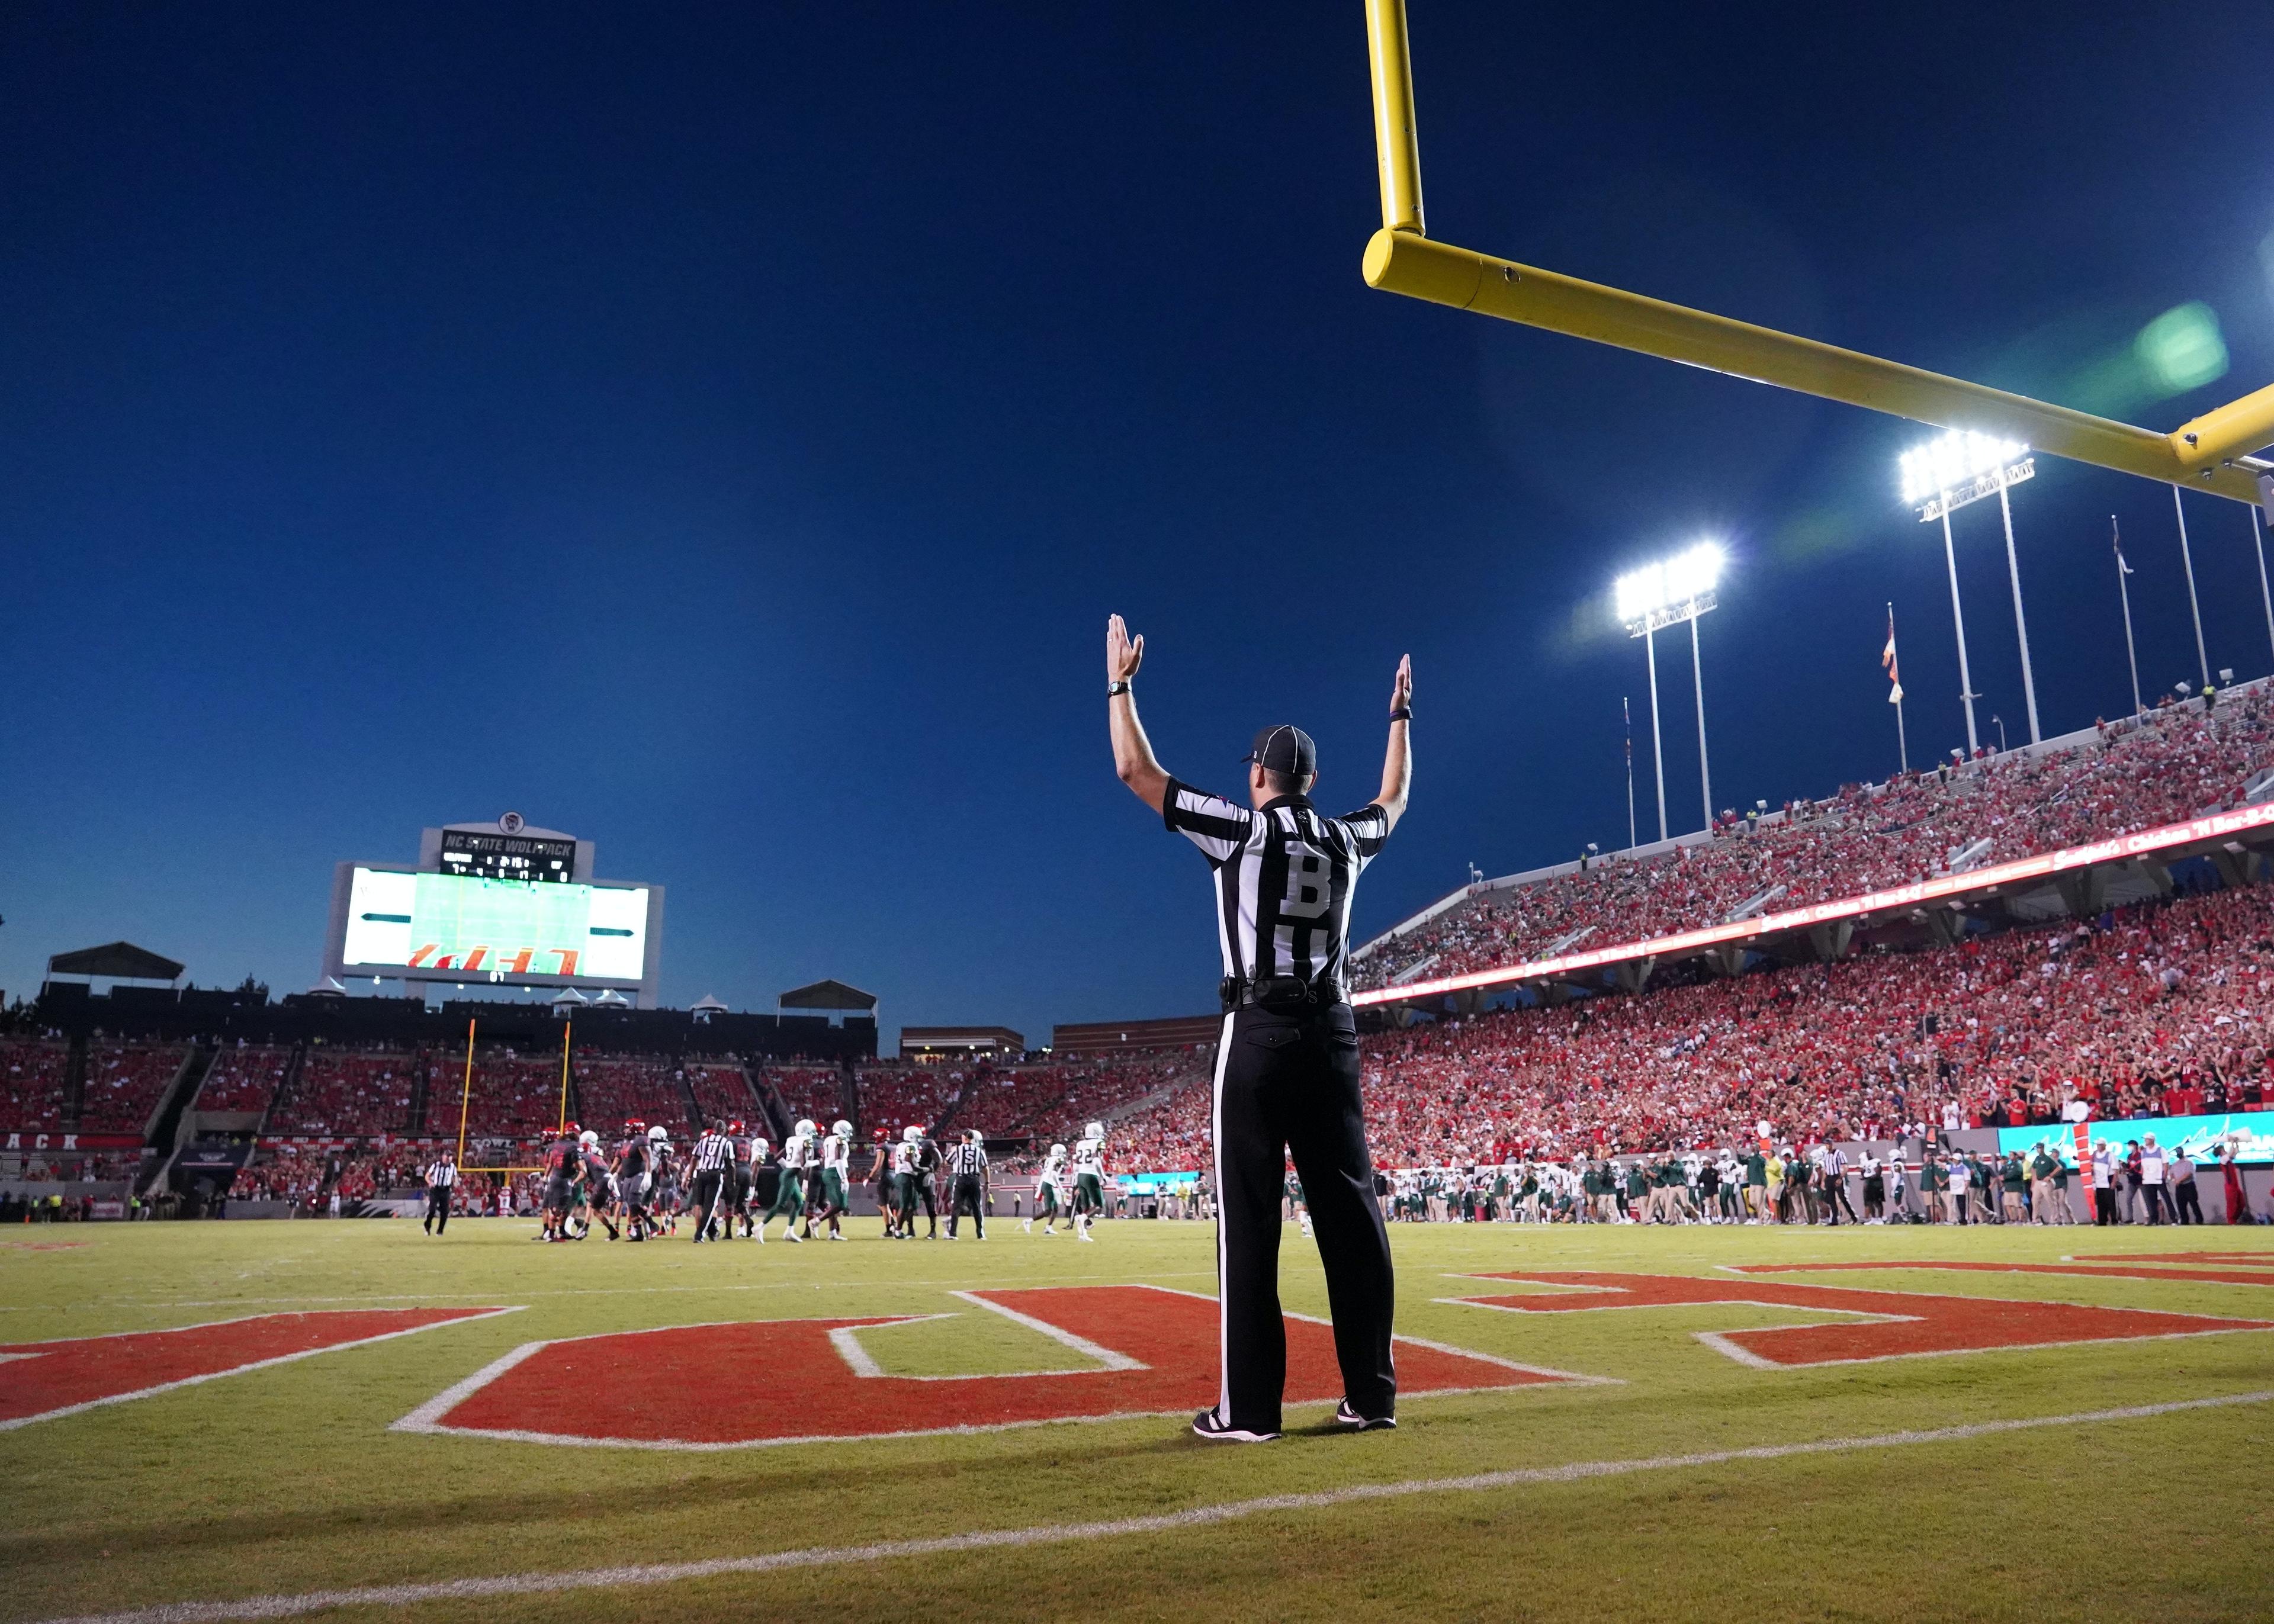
[2168, 766]
[2162, 1009]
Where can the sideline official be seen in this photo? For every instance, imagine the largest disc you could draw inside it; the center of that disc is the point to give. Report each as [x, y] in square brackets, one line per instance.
[1287, 1062]
[442, 1176]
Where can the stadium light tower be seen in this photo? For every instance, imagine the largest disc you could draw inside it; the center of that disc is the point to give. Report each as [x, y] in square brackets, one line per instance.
[1663, 595]
[1945, 475]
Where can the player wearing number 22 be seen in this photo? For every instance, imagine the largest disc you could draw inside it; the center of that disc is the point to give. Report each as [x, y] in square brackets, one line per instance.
[1287, 1065]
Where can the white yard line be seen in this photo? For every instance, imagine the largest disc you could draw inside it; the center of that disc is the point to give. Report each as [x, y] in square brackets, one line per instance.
[280, 1607]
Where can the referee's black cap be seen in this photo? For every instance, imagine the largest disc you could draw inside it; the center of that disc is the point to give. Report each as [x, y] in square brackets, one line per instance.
[1284, 749]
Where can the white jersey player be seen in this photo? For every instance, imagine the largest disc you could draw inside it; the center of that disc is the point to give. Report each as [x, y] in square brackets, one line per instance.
[1050, 1191]
[1088, 1179]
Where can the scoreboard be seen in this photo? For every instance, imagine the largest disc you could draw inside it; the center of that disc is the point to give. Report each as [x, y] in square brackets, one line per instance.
[508, 857]
[501, 904]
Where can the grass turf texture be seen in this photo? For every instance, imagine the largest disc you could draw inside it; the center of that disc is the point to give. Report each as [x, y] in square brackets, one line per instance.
[288, 1479]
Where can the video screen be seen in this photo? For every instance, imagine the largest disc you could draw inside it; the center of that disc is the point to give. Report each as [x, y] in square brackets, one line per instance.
[483, 929]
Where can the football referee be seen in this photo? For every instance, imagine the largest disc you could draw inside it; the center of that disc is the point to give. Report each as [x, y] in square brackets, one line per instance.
[1287, 1065]
[441, 1175]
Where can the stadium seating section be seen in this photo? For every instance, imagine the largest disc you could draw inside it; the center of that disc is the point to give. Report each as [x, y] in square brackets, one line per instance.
[808, 1091]
[722, 1093]
[347, 1093]
[612, 1092]
[2172, 765]
[243, 1080]
[34, 1077]
[124, 1082]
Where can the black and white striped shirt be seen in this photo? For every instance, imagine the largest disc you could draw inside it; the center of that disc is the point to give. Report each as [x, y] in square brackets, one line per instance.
[1284, 879]
[441, 1175]
[712, 1152]
[966, 1160]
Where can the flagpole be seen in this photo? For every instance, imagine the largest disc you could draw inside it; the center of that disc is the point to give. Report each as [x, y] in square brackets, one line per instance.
[2116, 539]
[1903, 739]
[1626, 713]
[2188, 559]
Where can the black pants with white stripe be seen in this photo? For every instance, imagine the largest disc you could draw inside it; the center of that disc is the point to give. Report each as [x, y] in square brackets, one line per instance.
[708, 1187]
[1289, 1084]
[437, 1208]
[968, 1199]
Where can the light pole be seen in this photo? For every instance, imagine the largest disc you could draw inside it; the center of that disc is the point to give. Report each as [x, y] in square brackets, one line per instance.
[2124, 591]
[2258, 540]
[2196, 608]
[1945, 475]
[1663, 595]
[1998, 722]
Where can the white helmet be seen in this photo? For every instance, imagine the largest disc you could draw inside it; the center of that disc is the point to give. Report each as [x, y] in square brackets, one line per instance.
[805, 1129]
[1094, 1130]
[912, 1133]
[841, 1129]
[758, 1148]
[1057, 1150]
[588, 1139]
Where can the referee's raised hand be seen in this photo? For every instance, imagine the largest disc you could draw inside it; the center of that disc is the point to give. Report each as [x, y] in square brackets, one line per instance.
[1133, 753]
[1401, 688]
[1123, 653]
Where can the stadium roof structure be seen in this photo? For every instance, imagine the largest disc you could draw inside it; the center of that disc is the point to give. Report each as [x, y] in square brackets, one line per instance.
[1106, 1036]
[828, 994]
[117, 961]
[709, 1004]
[2076, 880]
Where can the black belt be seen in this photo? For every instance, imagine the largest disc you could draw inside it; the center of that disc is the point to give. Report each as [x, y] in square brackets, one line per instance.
[1281, 994]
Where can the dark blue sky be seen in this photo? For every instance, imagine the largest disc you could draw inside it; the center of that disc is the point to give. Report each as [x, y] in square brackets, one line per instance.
[723, 431]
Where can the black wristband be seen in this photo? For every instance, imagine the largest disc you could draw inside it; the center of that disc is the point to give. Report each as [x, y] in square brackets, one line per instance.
[1111, 689]
[1404, 713]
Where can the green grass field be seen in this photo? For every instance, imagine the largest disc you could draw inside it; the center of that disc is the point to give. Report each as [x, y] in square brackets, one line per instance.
[283, 1481]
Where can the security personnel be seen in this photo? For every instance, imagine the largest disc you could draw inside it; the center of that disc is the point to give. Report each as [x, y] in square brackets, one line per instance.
[1287, 1062]
[967, 1161]
[442, 1174]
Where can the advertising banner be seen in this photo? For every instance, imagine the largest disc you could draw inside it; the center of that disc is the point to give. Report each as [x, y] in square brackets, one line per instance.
[2250, 1133]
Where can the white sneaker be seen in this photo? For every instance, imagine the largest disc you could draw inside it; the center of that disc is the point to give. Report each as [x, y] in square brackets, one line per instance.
[793, 1236]
[1081, 1234]
[761, 1237]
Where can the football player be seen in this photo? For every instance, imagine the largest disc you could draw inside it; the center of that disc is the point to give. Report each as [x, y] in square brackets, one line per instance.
[1050, 1191]
[836, 1170]
[1089, 1179]
[789, 1197]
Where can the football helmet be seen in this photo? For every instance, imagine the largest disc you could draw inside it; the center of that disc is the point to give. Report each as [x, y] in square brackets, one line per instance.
[805, 1128]
[1094, 1130]
[911, 1133]
[842, 1130]
[1057, 1150]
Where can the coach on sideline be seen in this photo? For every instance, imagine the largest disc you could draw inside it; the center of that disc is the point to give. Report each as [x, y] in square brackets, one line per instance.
[1286, 1062]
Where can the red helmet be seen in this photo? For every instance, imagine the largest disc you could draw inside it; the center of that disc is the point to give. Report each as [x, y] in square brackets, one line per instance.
[634, 1125]
[733, 1127]
[570, 1127]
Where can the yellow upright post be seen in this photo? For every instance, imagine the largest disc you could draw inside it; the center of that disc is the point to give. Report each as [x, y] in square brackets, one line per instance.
[466, 1094]
[2208, 452]
[565, 1030]
[1398, 153]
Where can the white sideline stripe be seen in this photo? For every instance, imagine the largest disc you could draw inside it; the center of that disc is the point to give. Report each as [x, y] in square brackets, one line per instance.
[1167, 1523]
[234, 1370]
[1089, 1349]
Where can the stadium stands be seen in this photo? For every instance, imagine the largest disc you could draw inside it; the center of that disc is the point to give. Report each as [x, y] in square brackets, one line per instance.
[722, 1093]
[34, 1076]
[513, 1096]
[807, 1091]
[2172, 765]
[892, 1096]
[2161, 1009]
[124, 1082]
[611, 1090]
[346, 1094]
[243, 1078]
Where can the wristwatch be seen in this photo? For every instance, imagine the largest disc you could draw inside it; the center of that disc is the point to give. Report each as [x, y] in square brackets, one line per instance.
[1111, 689]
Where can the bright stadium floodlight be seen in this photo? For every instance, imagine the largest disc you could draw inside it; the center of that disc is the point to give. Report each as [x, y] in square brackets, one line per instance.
[1666, 594]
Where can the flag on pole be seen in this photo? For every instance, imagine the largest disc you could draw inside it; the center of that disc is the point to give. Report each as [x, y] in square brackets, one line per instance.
[2122, 568]
[1627, 716]
[1888, 662]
